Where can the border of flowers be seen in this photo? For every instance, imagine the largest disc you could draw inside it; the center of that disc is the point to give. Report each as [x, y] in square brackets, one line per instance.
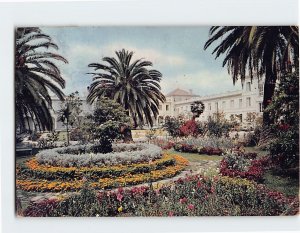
[104, 183]
[32, 168]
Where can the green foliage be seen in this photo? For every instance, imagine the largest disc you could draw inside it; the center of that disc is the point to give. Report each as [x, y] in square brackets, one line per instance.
[172, 125]
[84, 204]
[49, 141]
[37, 76]
[197, 108]
[284, 109]
[218, 127]
[105, 124]
[130, 83]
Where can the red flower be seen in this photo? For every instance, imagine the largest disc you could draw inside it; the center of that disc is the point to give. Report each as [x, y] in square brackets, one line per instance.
[199, 184]
[182, 200]
[191, 207]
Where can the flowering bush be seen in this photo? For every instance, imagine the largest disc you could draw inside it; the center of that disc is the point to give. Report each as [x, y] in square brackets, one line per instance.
[163, 144]
[81, 155]
[238, 164]
[210, 146]
[189, 196]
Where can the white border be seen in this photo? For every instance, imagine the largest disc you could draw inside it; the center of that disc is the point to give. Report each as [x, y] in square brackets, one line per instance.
[164, 12]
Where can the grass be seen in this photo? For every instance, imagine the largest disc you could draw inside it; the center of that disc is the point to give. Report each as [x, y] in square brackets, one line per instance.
[287, 185]
[257, 150]
[193, 157]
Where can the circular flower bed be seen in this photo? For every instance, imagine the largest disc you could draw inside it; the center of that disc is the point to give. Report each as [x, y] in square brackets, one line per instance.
[43, 174]
[82, 155]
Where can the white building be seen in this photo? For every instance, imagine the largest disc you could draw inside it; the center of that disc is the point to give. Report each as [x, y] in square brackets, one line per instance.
[236, 103]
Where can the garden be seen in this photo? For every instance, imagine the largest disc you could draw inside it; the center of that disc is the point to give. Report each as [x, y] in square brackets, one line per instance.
[105, 164]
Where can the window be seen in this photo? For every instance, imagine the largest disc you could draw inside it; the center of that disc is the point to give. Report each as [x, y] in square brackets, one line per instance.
[217, 106]
[240, 103]
[159, 107]
[209, 106]
[186, 107]
[260, 107]
[248, 102]
[167, 107]
[248, 86]
[231, 103]
[224, 104]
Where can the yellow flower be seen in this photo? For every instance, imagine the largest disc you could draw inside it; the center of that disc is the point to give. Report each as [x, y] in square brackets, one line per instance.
[120, 209]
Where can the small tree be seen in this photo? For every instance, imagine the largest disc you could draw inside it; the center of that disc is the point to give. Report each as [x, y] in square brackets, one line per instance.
[172, 125]
[197, 108]
[106, 124]
[70, 112]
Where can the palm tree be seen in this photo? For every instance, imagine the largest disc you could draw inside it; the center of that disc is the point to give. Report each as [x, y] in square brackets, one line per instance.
[261, 51]
[35, 75]
[129, 83]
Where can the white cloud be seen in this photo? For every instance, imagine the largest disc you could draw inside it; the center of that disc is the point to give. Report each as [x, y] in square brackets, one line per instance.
[149, 54]
[202, 83]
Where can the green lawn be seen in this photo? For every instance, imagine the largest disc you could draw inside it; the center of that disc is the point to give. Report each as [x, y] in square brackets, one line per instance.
[194, 157]
[287, 185]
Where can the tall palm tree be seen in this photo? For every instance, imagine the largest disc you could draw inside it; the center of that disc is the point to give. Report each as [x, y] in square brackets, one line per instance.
[260, 51]
[129, 83]
[35, 75]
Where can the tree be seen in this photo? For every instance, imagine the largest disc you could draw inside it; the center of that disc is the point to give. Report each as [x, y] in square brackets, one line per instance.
[70, 112]
[197, 108]
[284, 108]
[260, 51]
[107, 123]
[131, 84]
[35, 75]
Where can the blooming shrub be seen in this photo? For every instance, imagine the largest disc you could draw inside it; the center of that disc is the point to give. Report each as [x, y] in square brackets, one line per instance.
[163, 144]
[189, 196]
[81, 155]
[210, 146]
[239, 164]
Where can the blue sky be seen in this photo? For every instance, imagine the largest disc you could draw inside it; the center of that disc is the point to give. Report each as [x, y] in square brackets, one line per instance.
[177, 52]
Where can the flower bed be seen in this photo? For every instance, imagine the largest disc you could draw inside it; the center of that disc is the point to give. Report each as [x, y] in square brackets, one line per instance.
[34, 170]
[52, 178]
[209, 146]
[190, 196]
[78, 156]
[239, 164]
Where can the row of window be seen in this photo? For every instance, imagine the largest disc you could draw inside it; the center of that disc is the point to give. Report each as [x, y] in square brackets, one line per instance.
[232, 104]
[209, 106]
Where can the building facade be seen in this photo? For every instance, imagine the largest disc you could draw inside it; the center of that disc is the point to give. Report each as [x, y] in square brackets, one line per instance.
[230, 104]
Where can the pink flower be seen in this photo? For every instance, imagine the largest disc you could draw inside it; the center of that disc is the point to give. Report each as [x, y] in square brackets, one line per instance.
[119, 197]
[191, 207]
[212, 189]
[182, 200]
[171, 214]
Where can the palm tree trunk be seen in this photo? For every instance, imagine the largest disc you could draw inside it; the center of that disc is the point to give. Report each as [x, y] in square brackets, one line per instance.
[269, 88]
[67, 125]
[127, 132]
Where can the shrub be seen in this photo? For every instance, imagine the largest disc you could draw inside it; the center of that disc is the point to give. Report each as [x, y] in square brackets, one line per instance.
[188, 196]
[172, 125]
[105, 124]
[238, 164]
